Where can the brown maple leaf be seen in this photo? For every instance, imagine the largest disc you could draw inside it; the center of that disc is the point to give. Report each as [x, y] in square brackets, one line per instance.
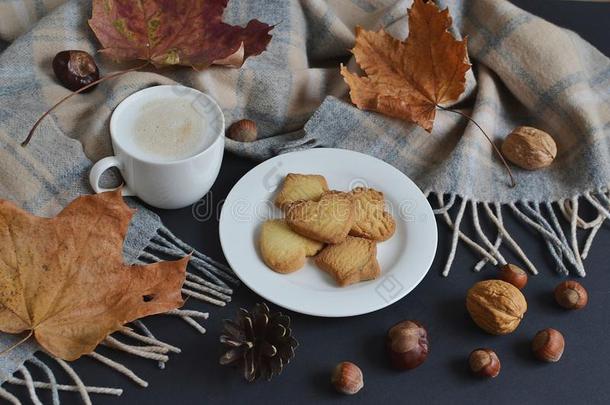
[410, 79]
[186, 32]
[64, 280]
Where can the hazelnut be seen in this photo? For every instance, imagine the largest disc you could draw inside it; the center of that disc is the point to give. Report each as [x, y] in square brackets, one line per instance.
[407, 344]
[75, 70]
[548, 345]
[347, 378]
[484, 362]
[243, 131]
[571, 295]
[514, 275]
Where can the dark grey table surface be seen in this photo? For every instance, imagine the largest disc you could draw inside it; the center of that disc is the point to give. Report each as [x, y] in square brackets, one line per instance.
[582, 375]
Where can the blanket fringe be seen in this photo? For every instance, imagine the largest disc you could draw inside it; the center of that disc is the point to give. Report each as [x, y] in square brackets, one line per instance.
[497, 243]
[564, 248]
[147, 347]
[207, 280]
[119, 368]
[4, 394]
[165, 242]
[52, 385]
[443, 210]
[29, 383]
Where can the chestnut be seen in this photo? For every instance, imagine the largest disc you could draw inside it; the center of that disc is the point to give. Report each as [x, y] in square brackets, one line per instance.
[75, 69]
[347, 378]
[407, 344]
[484, 362]
[571, 295]
[514, 275]
[548, 345]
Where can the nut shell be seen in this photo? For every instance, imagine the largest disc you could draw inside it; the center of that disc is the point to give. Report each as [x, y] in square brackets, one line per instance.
[548, 345]
[571, 295]
[496, 306]
[484, 362]
[243, 131]
[514, 275]
[347, 378]
[529, 148]
[407, 345]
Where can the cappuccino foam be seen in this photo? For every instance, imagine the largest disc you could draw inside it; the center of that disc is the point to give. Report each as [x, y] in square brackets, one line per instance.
[168, 130]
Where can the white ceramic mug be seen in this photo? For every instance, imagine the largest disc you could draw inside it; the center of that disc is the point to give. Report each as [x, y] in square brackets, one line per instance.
[164, 184]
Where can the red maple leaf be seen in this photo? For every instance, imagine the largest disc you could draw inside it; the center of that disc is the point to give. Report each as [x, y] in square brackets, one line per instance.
[169, 32]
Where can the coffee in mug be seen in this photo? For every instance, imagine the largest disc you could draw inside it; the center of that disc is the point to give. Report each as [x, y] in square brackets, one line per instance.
[168, 129]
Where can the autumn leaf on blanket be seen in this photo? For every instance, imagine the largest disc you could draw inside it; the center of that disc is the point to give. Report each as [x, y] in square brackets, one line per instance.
[410, 79]
[64, 280]
[186, 32]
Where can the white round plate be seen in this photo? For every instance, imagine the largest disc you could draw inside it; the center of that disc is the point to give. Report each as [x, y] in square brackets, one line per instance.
[404, 259]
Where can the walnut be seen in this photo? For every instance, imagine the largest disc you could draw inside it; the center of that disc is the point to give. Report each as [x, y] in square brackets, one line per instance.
[496, 306]
[529, 148]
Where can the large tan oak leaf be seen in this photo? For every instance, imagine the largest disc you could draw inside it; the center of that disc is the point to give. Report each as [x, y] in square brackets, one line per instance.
[410, 79]
[64, 279]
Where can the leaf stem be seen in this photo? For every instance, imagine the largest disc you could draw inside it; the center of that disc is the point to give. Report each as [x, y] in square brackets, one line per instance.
[100, 80]
[510, 173]
[14, 346]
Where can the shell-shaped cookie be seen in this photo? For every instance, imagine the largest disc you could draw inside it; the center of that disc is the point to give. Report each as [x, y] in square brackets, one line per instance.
[371, 220]
[300, 187]
[328, 220]
[350, 262]
[284, 250]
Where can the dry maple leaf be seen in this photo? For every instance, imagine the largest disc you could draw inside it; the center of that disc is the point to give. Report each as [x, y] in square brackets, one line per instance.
[64, 279]
[186, 32]
[409, 79]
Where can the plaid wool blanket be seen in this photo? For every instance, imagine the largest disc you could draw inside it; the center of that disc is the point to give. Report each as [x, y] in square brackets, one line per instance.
[526, 71]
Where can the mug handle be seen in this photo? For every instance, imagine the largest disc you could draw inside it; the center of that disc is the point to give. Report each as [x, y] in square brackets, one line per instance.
[99, 168]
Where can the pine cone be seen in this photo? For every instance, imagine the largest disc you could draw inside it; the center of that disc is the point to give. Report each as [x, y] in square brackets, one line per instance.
[259, 342]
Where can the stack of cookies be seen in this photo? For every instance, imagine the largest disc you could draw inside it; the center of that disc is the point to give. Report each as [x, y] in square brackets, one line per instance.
[341, 229]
